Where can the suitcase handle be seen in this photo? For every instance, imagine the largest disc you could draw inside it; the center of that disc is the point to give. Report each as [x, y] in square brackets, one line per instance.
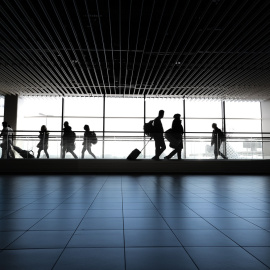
[146, 143]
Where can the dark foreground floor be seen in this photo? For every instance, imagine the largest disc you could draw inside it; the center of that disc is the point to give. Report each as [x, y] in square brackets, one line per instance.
[134, 222]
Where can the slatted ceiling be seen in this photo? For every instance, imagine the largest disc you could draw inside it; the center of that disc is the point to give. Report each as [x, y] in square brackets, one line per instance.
[209, 49]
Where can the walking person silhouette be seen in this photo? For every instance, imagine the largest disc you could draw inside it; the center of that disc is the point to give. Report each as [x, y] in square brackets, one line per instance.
[44, 141]
[176, 133]
[217, 137]
[68, 141]
[158, 136]
[87, 141]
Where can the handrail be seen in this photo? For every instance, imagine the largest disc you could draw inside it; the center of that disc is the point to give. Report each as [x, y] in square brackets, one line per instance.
[115, 131]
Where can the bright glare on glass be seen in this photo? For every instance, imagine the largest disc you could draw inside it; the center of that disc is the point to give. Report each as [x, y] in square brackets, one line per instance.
[203, 109]
[239, 109]
[171, 106]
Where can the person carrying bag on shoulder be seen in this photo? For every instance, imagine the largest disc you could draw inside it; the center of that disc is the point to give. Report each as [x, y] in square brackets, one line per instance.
[174, 136]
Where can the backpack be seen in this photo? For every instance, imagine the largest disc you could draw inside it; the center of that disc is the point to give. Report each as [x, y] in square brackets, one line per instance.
[222, 136]
[149, 128]
[93, 137]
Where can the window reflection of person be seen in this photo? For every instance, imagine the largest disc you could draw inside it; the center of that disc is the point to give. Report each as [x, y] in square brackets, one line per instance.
[87, 142]
[44, 141]
[177, 132]
[6, 144]
[158, 136]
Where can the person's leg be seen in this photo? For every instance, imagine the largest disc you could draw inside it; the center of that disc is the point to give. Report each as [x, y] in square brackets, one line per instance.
[221, 154]
[73, 154]
[64, 149]
[156, 147]
[46, 152]
[162, 146]
[10, 150]
[83, 151]
[171, 154]
[179, 153]
[215, 151]
[39, 151]
[90, 152]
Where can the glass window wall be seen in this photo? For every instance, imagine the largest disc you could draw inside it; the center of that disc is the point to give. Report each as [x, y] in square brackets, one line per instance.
[85, 111]
[200, 115]
[243, 127]
[33, 112]
[124, 119]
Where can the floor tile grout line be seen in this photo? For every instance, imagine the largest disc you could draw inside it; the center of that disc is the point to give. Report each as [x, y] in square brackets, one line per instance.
[236, 216]
[78, 224]
[25, 231]
[5, 217]
[170, 229]
[242, 247]
[123, 218]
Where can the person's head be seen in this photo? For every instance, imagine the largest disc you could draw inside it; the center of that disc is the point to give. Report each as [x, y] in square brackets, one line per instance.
[4, 124]
[214, 125]
[43, 128]
[86, 128]
[66, 124]
[161, 114]
[177, 116]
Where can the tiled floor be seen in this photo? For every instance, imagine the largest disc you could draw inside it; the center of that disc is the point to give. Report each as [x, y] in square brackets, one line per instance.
[134, 222]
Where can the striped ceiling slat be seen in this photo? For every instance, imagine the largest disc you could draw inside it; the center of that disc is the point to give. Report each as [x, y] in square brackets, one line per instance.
[209, 49]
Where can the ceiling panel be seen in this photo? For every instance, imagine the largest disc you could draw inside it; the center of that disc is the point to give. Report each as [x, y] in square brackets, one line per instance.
[209, 49]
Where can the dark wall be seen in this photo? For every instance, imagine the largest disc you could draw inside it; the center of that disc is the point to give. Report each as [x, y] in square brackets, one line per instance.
[10, 111]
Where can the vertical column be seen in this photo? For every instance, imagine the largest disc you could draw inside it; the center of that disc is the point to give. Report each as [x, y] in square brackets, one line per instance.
[265, 114]
[10, 110]
[103, 131]
[62, 124]
[144, 120]
[184, 126]
[224, 125]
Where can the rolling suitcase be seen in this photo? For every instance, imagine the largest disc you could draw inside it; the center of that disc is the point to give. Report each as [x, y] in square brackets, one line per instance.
[136, 152]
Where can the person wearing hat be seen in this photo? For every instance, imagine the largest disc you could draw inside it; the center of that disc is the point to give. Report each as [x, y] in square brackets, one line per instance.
[176, 132]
